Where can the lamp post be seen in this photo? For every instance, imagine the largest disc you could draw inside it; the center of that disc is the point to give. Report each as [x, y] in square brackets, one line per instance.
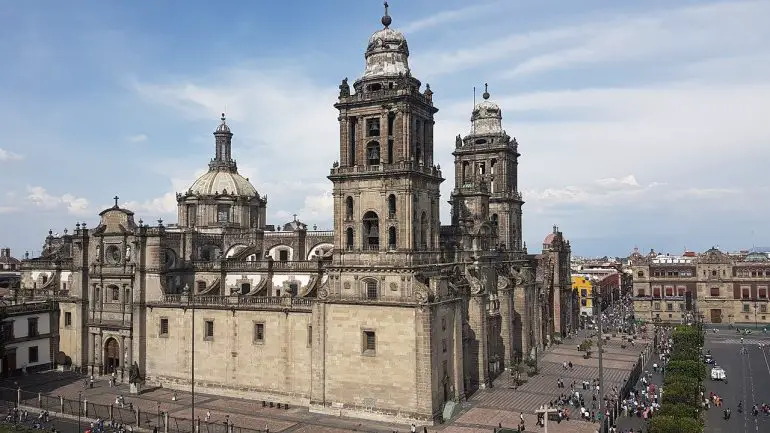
[80, 407]
[191, 304]
[597, 303]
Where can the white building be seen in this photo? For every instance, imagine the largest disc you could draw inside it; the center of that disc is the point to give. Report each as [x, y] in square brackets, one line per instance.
[28, 338]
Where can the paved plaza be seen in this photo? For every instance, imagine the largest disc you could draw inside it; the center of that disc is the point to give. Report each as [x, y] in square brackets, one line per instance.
[499, 405]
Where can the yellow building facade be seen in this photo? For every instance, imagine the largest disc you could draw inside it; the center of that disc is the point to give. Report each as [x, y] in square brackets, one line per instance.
[583, 286]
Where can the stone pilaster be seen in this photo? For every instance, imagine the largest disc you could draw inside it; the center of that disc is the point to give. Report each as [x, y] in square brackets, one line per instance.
[522, 307]
[506, 324]
[318, 359]
[424, 370]
[458, 382]
[477, 319]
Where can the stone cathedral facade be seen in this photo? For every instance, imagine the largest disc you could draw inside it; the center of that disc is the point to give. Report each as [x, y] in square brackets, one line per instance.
[390, 315]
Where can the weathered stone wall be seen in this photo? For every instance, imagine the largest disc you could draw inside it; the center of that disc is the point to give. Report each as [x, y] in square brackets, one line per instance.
[233, 361]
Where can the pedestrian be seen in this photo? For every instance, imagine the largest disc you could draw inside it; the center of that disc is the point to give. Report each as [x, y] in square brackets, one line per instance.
[413, 429]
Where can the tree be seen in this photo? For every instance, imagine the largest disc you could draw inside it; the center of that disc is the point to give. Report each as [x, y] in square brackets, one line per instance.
[671, 424]
[678, 410]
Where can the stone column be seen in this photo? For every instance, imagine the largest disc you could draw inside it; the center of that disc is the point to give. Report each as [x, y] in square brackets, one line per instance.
[477, 319]
[459, 365]
[521, 328]
[91, 349]
[506, 324]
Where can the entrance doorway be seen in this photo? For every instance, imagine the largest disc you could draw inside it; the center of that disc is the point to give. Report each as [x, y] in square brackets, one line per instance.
[111, 356]
[9, 363]
[716, 315]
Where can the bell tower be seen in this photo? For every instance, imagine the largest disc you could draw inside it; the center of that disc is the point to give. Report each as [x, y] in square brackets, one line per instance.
[488, 156]
[382, 289]
[386, 188]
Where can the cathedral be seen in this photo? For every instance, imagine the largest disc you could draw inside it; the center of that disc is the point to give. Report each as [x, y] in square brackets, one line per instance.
[389, 316]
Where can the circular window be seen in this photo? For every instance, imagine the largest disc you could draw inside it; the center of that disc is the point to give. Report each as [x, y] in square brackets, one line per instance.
[112, 254]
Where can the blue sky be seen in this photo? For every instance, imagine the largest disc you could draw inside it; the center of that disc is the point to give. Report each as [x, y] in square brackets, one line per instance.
[640, 123]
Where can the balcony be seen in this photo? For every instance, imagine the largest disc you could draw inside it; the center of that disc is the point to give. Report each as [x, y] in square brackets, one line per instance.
[404, 166]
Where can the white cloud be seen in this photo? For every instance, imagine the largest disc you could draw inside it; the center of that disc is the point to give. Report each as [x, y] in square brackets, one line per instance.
[39, 197]
[448, 17]
[138, 138]
[6, 155]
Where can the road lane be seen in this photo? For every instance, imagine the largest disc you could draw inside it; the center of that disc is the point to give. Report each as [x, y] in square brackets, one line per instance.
[748, 380]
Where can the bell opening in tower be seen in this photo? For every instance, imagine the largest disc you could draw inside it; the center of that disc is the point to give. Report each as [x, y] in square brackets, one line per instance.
[371, 223]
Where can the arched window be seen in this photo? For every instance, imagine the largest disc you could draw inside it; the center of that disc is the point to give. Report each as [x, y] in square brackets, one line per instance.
[115, 293]
[349, 208]
[349, 238]
[495, 221]
[465, 173]
[373, 153]
[640, 274]
[392, 206]
[424, 231]
[371, 235]
[371, 289]
[392, 238]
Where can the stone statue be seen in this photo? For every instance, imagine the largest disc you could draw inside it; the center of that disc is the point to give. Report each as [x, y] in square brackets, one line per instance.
[133, 374]
[344, 88]
[458, 141]
[128, 253]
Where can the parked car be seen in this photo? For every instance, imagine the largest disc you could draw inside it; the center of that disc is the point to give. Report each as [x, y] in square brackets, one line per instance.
[718, 373]
[708, 359]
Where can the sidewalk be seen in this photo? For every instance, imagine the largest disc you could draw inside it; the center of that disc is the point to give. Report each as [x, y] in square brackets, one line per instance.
[626, 422]
[501, 405]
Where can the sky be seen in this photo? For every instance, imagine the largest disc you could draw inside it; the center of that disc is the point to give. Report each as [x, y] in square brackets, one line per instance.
[640, 124]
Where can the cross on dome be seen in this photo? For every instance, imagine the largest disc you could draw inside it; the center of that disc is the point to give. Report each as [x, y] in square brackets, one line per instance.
[386, 19]
[116, 198]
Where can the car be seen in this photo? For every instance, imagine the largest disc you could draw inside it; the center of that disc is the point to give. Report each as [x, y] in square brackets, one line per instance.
[708, 359]
[718, 373]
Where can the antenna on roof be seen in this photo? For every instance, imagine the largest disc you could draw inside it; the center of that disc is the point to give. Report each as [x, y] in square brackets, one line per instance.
[473, 125]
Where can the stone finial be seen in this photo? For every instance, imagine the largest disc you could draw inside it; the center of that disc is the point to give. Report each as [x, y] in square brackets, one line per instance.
[141, 223]
[485, 95]
[77, 226]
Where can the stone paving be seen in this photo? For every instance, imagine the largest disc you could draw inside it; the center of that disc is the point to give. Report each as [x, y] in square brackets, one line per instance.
[486, 409]
[501, 404]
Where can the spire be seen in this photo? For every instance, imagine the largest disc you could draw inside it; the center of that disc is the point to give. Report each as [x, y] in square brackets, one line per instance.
[223, 138]
[386, 19]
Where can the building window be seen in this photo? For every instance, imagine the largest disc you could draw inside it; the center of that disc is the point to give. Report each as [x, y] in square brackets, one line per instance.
[245, 288]
[669, 291]
[583, 293]
[392, 206]
[656, 306]
[349, 209]
[762, 292]
[32, 329]
[349, 238]
[163, 331]
[371, 289]
[115, 293]
[669, 307]
[6, 331]
[373, 127]
[392, 238]
[373, 153]
[33, 355]
[310, 336]
[67, 319]
[640, 293]
[640, 274]
[745, 292]
[208, 330]
[443, 345]
[369, 343]
[443, 323]
[371, 225]
[746, 308]
[223, 213]
[293, 289]
[283, 255]
[201, 286]
[259, 333]
[713, 273]
[715, 291]
[763, 308]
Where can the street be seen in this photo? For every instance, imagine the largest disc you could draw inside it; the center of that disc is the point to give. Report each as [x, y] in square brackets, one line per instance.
[748, 380]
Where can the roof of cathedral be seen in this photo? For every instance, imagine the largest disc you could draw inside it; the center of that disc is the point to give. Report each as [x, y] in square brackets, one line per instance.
[218, 182]
[387, 53]
[549, 239]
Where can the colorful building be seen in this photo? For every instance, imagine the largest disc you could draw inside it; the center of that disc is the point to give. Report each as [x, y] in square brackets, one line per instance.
[582, 284]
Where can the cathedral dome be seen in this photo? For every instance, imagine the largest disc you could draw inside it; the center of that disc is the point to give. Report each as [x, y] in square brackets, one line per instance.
[487, 117]
[387, 53]
[223, 182]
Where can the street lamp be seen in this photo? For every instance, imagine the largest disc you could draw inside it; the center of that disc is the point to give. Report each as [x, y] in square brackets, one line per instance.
[80, 406]
[191, 300]
[597, 296]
